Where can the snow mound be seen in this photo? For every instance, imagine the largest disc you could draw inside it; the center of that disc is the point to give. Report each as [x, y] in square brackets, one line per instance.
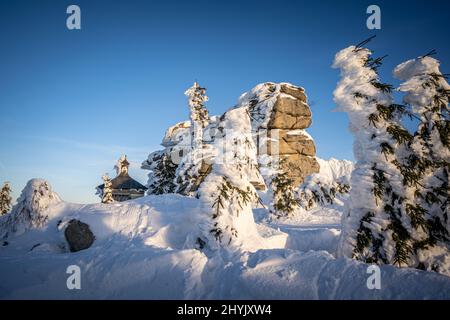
[140, 252]
[334, 169]
[177, 133]
[167, 221]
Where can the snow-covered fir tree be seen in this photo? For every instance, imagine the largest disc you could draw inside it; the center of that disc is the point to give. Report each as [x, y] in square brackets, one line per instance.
[193, 164]
[330, 186]
[314, 192]
[30, 211]
[284, 197]
[107, 196]
[161, 178]
[198, 113]
[5, 199]
[427, 93]
[377, 227]
[227, 194]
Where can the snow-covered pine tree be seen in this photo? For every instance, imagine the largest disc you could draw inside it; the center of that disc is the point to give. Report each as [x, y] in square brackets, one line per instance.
[193, 165]
[5, 199]
[427, 167]
[314, 192]
[30, 211]
[227, 194]
[107, 196]
[198, 113]
[284, 198]
[161, 178]
[377, 228]
[329, 186]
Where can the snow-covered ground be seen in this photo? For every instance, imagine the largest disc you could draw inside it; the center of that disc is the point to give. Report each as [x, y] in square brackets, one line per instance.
[140, 252]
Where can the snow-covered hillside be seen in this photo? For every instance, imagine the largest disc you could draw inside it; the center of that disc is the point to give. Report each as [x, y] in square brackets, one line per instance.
[141, 251]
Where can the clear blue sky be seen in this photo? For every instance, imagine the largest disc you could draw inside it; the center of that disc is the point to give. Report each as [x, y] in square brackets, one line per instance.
[73, 101]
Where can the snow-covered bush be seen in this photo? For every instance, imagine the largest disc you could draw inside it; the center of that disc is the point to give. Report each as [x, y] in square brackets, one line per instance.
[284, 198]
[5, 199]
[30, 210]
[315, 192]
[330, 185]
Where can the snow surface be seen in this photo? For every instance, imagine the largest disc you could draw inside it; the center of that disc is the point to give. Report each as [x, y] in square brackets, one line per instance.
[140, 252]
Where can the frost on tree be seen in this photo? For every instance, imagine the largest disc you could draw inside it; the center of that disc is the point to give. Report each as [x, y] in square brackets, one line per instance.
[377, 227]
[163, 164]
[315, 192]
[198, 113]
[193, 164]
[329, 186]
[30, 211]
[227, 194]
[107, 196]
[426, 168]
[5, 199]
[284, 197]
[162, 175]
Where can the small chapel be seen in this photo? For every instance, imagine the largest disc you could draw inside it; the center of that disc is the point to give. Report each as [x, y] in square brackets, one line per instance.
[123, 186]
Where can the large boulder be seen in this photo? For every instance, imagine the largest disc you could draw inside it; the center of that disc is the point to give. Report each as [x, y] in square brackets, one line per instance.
[78, 235]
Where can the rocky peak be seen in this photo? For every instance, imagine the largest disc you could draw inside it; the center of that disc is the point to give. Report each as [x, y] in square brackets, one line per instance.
[280, 113]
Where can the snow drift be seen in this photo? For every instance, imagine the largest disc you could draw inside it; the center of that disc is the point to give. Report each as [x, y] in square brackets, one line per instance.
[140, 253]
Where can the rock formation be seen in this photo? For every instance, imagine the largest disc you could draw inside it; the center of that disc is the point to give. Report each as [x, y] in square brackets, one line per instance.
[279, 114]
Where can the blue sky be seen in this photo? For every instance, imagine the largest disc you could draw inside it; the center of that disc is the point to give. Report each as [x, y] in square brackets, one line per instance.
[72, 102]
